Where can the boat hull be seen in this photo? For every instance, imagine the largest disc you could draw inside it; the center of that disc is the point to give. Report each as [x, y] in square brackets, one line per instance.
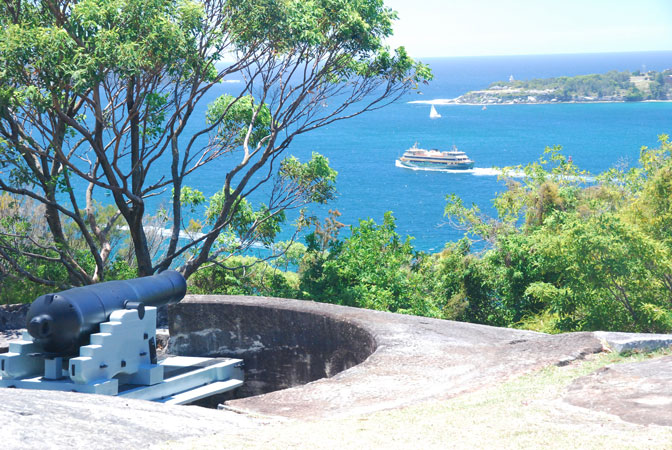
[436, 165]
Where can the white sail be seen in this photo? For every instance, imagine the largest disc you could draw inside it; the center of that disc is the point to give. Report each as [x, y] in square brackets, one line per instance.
[433, 114]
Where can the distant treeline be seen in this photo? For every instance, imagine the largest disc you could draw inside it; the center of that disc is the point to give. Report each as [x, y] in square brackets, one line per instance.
[611, 86]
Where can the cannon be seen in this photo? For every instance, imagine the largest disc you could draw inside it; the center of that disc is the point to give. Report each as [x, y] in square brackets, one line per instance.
[62, 322]
[102, 339]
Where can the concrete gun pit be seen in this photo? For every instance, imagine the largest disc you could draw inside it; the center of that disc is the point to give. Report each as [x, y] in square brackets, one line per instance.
[308, 361]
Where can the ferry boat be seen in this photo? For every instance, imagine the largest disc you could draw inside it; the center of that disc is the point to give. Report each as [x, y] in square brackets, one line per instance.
[454, 159]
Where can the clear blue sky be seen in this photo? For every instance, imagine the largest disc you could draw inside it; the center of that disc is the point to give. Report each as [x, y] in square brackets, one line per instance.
[518, 27]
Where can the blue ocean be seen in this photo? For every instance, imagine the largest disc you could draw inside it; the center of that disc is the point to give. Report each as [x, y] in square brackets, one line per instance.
[363, 150]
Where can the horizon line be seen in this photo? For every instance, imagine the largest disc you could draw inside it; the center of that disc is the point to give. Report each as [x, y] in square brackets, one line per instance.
[223, 61]
[541, 54]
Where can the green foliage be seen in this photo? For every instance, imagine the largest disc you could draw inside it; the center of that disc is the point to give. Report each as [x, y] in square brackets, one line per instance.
[584, 253]
[155, 114]
[633, 95]
[123, 36]
[581, 85]
[246, 224]
[606, 274]
[18, 219]
[21, 290]
[324, 236]
[240, 275]
[651, 207]
[121, 270]
[191, 198]
[94, 94]
[313, 179]
[359, 24]
[373, 268]
[612, 85]
[360, 28]
[464, 288]
[291, 255]
[234, 119]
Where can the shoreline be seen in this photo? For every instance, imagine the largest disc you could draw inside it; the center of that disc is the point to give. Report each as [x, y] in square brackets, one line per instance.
[453, 101]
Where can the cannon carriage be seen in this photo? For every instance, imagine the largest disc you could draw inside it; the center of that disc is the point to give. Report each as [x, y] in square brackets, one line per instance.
[101, 339]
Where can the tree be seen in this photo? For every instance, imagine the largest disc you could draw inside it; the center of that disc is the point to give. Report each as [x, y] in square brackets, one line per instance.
[604, 273]
[373, 268]
[588, 252]
[97, 95]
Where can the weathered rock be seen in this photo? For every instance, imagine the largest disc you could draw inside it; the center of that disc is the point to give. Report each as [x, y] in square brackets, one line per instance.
[410, 358]
[162, 338]
[371, 361]
[6, 337]
[636, 392]
[625, 342]
[57, 420]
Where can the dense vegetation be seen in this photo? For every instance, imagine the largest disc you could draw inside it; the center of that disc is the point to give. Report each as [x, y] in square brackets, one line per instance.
[611, 86]
[567, 252]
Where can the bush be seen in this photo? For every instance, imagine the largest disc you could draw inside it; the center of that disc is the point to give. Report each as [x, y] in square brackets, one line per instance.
[372, 269]
[243, 276]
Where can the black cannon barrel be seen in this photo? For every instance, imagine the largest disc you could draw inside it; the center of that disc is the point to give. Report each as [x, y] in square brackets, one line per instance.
[63, 321]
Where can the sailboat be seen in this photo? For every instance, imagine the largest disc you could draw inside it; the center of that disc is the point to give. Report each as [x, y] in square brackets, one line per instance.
[433, 114]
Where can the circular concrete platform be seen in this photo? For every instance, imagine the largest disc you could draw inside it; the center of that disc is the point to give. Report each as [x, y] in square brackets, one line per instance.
[408, 358]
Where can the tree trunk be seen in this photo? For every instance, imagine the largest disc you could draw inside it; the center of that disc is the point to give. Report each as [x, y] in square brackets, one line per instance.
[137, 211]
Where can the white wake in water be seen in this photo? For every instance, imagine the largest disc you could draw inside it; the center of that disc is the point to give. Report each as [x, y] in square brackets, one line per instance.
[477, 171]
[190, 236]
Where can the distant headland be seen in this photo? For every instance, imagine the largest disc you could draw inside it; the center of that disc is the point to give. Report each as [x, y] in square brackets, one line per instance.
[612, 86]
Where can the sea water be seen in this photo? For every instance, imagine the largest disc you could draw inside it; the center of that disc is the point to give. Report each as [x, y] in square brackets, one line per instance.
[363, 150]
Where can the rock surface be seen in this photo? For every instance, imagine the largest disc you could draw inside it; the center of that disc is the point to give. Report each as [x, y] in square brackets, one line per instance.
[637, 392]
[13, 317]
[58, 420]
[414, 359]
[8, 336]
[628, 342]
[12, 323]
[410, 360]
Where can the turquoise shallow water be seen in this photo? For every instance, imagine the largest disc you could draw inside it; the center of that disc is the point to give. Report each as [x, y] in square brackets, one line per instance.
[363, 150]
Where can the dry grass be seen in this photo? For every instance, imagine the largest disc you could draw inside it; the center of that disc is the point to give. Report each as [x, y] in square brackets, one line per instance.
[527, 412]
[641, 83]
